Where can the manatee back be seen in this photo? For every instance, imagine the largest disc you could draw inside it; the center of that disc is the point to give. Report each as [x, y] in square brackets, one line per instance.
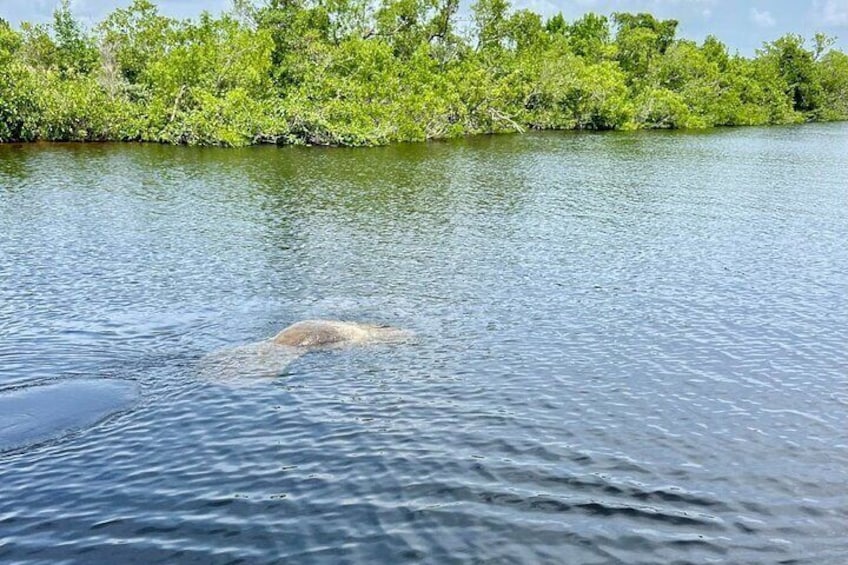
[313, 333]
[326, 333]
[270, 358]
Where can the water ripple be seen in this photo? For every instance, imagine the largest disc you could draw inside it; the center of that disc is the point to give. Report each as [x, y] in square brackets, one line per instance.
[631, 349]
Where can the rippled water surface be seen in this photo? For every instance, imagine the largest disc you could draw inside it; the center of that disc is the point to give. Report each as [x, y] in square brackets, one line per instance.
[630, 348]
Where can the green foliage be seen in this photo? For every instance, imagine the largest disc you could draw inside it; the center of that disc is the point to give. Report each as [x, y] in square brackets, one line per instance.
[134, 37]
[15, 103]
[407, 24]
[356, 72]
[683, 75]
[640, 39]
[664, 108]
[796, 67]
[10, 42]
[574, 94]
[233, 119]
[75, 51]
[298, 32]
[77, 110]
[834, 82]
[211, 71]
[490, 20]
[589, 37]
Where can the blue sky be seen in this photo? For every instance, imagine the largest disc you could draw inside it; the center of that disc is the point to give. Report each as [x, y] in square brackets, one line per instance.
[742, 24]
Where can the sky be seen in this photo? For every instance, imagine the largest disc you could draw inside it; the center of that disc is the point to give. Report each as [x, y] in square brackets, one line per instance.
[743, 25]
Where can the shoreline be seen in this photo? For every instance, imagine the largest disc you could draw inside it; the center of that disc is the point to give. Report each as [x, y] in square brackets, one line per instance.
[441, 140]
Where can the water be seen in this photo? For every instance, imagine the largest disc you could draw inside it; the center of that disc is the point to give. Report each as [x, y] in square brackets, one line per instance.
[630, 348]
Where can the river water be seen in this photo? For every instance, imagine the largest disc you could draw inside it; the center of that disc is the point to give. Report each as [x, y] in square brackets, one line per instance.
[630, 347]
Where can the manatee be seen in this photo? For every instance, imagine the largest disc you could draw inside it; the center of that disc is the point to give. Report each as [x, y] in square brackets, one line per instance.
[329, 333]
[31, 415]
[270, 357]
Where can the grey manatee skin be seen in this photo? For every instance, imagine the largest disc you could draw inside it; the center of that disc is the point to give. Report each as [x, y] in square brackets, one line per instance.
[269, 358]
[32, 415]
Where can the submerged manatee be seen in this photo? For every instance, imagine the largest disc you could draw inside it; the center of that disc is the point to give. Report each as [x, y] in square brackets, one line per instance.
[269, 358]
[36, 414]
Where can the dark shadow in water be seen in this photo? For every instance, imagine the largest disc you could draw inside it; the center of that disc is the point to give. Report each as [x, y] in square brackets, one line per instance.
[36, 414]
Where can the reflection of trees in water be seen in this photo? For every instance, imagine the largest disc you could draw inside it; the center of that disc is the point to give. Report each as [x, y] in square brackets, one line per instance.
[408, 182]
[13, 166]
[359, 233]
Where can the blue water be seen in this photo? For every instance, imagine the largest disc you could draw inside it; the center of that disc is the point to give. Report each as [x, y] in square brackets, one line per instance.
[631, 347]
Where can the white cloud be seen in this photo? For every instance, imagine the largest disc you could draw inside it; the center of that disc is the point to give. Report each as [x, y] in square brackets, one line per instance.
[762, 18]
[832, 12]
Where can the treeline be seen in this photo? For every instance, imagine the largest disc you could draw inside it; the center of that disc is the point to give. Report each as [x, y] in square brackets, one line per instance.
[352, 72]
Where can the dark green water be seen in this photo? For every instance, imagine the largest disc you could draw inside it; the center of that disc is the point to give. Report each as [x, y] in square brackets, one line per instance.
[631, 348]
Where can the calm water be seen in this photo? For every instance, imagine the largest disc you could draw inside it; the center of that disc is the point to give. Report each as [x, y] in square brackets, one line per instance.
[631, 348]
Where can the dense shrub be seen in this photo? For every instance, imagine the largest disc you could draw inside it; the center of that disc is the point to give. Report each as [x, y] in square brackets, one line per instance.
[349, 72]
